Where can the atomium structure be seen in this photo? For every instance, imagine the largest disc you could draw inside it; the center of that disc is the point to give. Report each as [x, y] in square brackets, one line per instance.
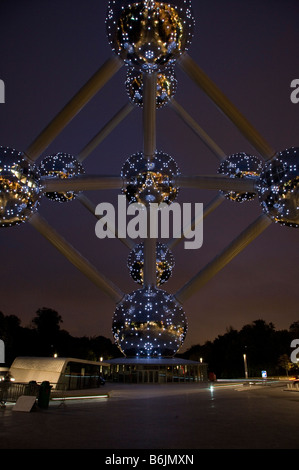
[150, 39]
[64, 166]
[164, 263]
[166, 86]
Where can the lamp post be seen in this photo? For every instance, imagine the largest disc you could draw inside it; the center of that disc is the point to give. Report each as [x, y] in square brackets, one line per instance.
[245, 366]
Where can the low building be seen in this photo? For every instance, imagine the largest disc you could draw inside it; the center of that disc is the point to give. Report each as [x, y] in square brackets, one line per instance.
[75, 374]
[61, 372]
[162, 370]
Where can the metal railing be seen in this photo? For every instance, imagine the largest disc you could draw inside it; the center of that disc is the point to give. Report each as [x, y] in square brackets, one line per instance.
[11, 391]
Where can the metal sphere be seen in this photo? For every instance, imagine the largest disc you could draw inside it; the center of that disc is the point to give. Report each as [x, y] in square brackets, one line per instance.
[20, 188]
[61, 165]
[150, 181]
[241, 165]
[164, 263]
[149, 323]
[279, 188]
[149, 35]
[166, 86]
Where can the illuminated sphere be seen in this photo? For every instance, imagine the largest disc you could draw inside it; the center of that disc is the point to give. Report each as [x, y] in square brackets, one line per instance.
[164, 263]
[240, 165]
[149, 35]
[166, 86]
[149, 323]
[20, 189]
[150, 182]
[61, 165]
[279, 188]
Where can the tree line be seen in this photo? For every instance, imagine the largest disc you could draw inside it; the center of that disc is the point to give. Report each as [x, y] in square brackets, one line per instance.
[45, 337]
[265, 347]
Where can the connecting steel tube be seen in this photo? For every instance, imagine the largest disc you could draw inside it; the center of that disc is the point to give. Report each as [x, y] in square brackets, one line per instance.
[76, 258]
[72, 108]
[220, 261]
[215, 94]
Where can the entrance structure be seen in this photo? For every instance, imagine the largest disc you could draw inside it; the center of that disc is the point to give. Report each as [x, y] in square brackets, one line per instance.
[151, 38]
[156, 371]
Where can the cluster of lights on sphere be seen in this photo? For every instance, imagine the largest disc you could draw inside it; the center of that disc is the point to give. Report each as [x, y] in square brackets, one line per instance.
[166, 86]
[62, 166]
[164, 263]
[149, 35]
[20, 188]
[151, 181]
[149, 322]
[241, 165]
[278, 188]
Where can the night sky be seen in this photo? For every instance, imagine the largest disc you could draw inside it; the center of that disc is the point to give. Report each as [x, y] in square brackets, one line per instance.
[48, 50]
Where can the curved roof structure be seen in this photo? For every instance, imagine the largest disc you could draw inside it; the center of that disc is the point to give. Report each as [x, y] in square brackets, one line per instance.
[26, 369]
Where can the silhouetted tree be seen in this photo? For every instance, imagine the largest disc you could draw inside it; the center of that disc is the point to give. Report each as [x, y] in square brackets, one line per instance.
[261, 343]
[47, 322]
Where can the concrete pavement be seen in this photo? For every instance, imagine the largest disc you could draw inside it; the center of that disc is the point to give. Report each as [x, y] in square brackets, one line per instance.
[183, 416]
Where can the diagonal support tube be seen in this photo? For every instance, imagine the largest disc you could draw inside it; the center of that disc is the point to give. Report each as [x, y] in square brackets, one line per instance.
[76, 258]
[194, 126]
[215, 94]
[105, 131]
[211, 206]
[72, 108]
[91, 207]
[220, 261]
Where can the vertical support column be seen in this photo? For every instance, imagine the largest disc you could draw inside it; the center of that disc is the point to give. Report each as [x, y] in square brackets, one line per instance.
[149, 273]
[149, 149]
[149, 114]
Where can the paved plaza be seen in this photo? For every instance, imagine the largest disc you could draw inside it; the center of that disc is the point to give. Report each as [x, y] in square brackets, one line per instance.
[185, 416]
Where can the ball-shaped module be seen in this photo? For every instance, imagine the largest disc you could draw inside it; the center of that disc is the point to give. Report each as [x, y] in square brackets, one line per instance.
[149, 323]
[149, 35]
[164, 263]
[20, 189]
[166, 86]
[150, 181]
[61, 165]
[241, 165]
[279, 188]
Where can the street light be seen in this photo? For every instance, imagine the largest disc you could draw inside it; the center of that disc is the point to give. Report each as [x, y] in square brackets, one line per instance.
[245, 366]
